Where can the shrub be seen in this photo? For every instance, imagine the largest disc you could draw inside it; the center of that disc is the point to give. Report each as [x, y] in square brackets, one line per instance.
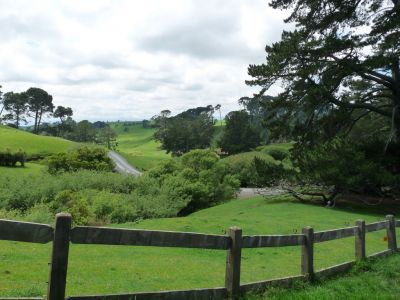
[344, 165]
[9, 159]
[84, 158]
[278, 154]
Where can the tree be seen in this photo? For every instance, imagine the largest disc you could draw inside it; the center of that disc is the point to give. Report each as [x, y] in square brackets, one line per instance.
[339, 65]
[239, 135]
[16, 105]
[84, 131]
[40, 103]
[218, 107]
[191, 129]
[108, 137]
[63, 113]
[1, 103]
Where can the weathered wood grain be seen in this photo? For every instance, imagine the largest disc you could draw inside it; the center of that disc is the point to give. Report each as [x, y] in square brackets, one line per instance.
[376, 226]
[59, 258]
[337, 269]
[198, 294]
[138, 237]
[391, 232]
[261, 286]
[257, 241]
[360, 240]
[380, 254]
[233, 260]
[328, 235]
[25, 232]
[307, 253]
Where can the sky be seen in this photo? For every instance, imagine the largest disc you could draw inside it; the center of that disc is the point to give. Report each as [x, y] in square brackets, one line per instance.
[128, 60]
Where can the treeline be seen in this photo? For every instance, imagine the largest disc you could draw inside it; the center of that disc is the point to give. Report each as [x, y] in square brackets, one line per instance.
[196, 128]
[36, 103]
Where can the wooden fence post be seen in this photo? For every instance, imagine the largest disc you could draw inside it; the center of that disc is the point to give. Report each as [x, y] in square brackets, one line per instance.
[360, 240]
[233, 258]
[307, 253]
[391, 233]
[59, 258]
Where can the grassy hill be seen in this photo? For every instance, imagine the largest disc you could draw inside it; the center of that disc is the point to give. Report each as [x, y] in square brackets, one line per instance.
[138, 146]
[15, 139]
[379, 279]
[125, 268]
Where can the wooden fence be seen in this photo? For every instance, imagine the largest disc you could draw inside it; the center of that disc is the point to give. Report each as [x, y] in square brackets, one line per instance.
[234, 242]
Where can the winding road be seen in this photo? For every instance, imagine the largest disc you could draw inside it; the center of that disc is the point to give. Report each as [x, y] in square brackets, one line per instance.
[121, 165]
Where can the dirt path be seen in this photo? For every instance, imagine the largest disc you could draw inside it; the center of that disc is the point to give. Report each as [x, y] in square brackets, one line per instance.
[251, 192]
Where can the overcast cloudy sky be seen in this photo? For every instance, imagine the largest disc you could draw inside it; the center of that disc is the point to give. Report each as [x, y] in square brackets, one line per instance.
[128, 60]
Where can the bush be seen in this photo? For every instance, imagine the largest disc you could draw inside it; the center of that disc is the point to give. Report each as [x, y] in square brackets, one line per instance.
[9, 159]
[345, 166]
[278, 154]
[84, 158]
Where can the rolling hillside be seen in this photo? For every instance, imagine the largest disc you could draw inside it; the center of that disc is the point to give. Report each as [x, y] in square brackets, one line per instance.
[15, 139]
[153, 268]
[138, 146]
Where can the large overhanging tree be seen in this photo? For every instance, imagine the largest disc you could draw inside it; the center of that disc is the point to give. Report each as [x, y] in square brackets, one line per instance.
[339, 65]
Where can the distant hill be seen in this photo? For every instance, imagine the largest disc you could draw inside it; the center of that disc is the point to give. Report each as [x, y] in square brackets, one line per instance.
[15, 139]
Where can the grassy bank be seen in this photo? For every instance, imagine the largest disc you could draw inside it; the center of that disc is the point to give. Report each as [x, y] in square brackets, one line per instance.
[377, 279]
[110, 269]
[138, 146]
[32, 144]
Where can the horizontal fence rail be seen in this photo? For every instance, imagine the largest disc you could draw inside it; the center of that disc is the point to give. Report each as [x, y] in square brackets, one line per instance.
[233, 242]
[25, 232]
[324, 236]
[198, 294]
[138, 237]
[376, 226]
[257, 241]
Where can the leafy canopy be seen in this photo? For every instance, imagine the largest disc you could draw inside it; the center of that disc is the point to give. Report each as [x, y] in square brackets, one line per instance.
[340, 64]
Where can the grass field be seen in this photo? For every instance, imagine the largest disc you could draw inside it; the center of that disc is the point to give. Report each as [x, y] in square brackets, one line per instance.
[95, 269]
[29, 170]
[138, 146]
[379, 279]
[15, 139]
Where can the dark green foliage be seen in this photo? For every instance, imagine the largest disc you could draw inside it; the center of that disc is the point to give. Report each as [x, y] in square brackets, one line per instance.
[192, 129]
[16, 105]
[178, 186]
[239, 134]
[10, 159]
[84, 158]
[339, 65]
[200, 177]
[344, 165]
[269, 173]
[40, 103]
[278, 154]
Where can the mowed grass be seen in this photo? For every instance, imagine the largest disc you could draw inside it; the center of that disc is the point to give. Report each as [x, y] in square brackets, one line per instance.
[138, 145]
[377, 279]
[30, 169]
[95, 269]
[15, 139]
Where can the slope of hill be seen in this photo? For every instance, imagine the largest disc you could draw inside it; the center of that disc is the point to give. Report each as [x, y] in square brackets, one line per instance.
[138, 146]
[153, 268]
[15, 139]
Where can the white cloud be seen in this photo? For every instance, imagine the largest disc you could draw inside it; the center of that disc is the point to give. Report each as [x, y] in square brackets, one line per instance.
[129, 60]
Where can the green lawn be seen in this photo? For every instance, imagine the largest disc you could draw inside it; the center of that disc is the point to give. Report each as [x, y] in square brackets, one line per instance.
[138, 146]
[29, 170]
[15, 139]
[112, 269]
[378, 279]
